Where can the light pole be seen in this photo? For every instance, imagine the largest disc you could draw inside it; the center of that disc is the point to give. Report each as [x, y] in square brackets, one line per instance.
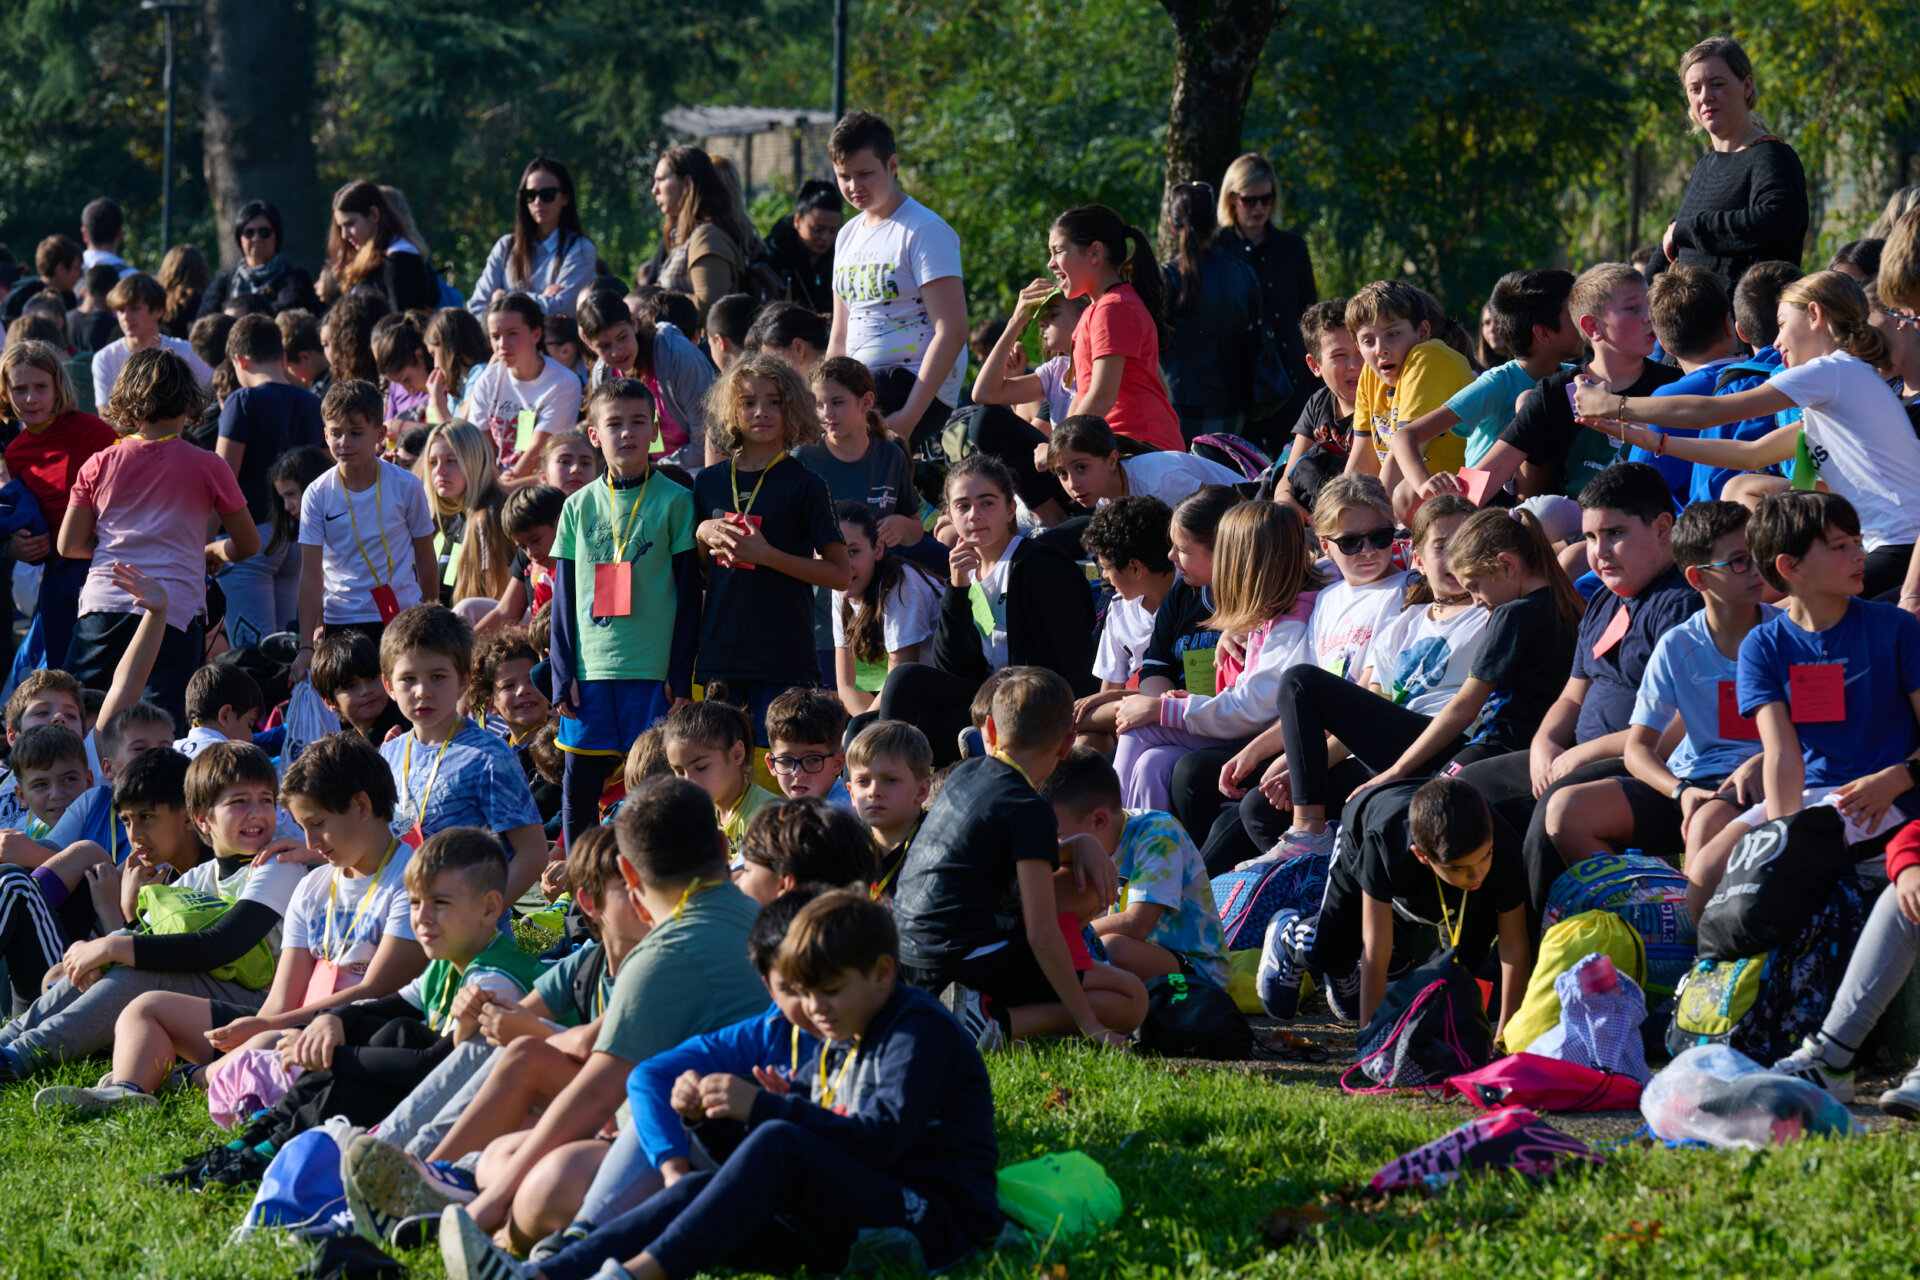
[839, 59]
[169, 11]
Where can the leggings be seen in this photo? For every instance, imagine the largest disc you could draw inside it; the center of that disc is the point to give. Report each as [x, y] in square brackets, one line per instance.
[937, 703]
[1377, 732]
[583, 777]
[788, 1198]
[1254, 826]
[1887, 572]
[1881, 962]
[1145, 759]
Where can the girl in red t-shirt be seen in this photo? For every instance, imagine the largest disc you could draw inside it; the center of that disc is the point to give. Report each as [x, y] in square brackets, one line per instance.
[1116, 346]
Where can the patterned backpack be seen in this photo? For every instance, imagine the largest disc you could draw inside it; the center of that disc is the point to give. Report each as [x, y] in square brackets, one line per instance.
[1645, 892]
[1249, 899]
[1232, 452]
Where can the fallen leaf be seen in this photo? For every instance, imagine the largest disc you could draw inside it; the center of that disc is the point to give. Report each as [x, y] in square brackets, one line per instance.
[1641, 1233]
[1291, 1224]
[1060, 1097]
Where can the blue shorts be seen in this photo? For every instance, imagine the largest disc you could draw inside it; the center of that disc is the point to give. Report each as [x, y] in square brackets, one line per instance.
[612, 714]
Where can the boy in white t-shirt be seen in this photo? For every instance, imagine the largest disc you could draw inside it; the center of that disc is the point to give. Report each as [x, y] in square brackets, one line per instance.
[1129, 540]
[898, 304]
[365, 529]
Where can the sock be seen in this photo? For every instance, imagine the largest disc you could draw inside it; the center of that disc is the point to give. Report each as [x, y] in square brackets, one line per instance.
[1832, 1052]
[128, 1085]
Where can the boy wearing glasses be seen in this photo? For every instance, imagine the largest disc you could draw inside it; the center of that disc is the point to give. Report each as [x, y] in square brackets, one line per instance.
[1663, 807]
[805, 747]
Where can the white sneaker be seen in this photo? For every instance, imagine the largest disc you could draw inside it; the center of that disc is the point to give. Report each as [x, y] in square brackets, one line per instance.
[106, 1097]
[1807, 1063]
[1903, 1100]
[470, 1255]
[388, 1188]
[970, 1007]
[1294, 844]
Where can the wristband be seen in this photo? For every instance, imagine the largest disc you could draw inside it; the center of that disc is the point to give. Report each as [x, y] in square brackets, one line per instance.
[1679, 789]
[1913, 771]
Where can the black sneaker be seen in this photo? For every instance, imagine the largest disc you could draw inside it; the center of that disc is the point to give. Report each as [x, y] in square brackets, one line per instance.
[242, 1168]
[188, 1174]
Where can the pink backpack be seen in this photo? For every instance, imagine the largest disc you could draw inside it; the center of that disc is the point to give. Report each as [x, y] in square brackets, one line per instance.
[1510, 1138]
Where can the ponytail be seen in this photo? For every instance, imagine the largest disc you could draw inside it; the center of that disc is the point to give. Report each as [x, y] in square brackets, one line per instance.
[1096, 224]
[1190, 214]
[1478, 545]
[1844, 304]
[1143, 273]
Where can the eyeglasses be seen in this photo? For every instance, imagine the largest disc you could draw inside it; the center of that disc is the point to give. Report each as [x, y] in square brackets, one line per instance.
[545, 195]
[797, 764]
[1251, 200]
[256, 233]
[1740, 564]
[1379, 539]
[1905, 319]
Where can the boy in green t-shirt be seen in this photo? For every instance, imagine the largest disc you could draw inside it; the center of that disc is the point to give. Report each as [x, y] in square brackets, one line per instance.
[626, 601]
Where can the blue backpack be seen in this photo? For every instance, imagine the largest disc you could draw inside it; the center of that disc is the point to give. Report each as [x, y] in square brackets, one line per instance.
[1249, 899]
[1645, 892]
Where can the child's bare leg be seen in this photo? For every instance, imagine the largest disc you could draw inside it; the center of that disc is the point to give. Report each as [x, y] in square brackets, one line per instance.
[530, 1073]
[1708, 821]
[1709, 864]
[1118, 999]
[553, 1191]
[1593, 817]
[1139, 957]
[154, 1030]
[1084, 903]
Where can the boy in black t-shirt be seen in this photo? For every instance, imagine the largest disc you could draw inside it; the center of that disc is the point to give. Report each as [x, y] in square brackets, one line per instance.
[1552, 452]
[1428, 853]
[985, 908]
[1627, 517]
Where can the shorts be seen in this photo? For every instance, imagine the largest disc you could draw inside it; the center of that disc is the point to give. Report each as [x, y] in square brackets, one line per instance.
[612, 714]
[221, 1012]
[1656, 818]
[1905, 808]
[1010, 973]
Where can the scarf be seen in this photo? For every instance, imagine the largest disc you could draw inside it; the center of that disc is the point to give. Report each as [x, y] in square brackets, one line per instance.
[262, 279]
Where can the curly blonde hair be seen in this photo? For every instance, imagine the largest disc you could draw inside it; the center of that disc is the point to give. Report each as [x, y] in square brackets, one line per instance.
[802, 419]
[154, 385]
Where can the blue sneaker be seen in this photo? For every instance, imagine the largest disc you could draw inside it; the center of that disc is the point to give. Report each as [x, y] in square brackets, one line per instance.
[1283, 966]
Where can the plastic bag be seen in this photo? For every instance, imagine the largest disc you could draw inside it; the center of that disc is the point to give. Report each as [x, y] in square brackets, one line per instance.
[309, 719]
[1601, 1010]
[1722, 1097]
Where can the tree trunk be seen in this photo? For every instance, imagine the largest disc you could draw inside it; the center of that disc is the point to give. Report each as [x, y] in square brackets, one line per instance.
[259, 121]
[1217, 47]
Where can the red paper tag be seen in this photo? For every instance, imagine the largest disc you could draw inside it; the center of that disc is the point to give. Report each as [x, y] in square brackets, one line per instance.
[1735, 727]
[386, 602]
[414, 837]
[613, 589]
[750, 521]
[1476, 482]
[1817, 692]
[1615, 629]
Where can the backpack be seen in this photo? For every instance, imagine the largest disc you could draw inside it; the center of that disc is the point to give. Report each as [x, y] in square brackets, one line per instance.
[1432, 1025]
[1249, 899]
[1645, 892]
[1561, 947]
[1235, 453]
[1776, 876]
[172, 908]
[1192, 1018]
[1510, 1138]
[1764, 1005]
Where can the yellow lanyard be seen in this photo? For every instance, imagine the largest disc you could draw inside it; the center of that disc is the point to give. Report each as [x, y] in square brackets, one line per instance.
[734, 472]
[406, 772]
[1013, 764]
[695, 885]
[380, 520]
[794, 1070]
[353, 924]
[880, 889]
[827, 1091]
[620, 541]
[1446, 918]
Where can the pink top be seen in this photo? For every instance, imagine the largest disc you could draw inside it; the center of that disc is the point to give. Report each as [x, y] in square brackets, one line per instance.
[150, 500]
[1119, 324]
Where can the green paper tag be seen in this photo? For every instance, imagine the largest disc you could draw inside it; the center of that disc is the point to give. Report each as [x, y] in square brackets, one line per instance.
[1805, 475]
[982, 611]
[433, 415]
[523, 432]
[1202, 671]
[453, 565]
[868, 677]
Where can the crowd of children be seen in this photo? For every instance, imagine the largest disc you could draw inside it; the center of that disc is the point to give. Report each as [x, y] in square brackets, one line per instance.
[841, 743]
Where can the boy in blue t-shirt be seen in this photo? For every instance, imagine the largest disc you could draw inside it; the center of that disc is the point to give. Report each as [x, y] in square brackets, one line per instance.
[1834, 681]
[626, 602]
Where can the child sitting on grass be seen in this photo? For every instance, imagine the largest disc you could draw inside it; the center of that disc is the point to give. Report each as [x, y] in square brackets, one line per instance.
[346, 672]
[801, 842]
[709, 745]
[891, 767]
[1164, 920]
[888, 1152]
[990, 837]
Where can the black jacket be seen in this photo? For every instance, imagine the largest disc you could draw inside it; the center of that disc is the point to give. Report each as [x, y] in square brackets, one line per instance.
[1287, 288]
[1208, 358]
[809, 283]
[295, 293]
[1049, 621]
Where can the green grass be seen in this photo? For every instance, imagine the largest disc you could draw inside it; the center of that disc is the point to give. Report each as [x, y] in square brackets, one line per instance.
[1201, 1157]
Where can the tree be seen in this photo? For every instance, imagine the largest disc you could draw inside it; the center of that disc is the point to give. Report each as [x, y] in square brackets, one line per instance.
[1217, 46]
[259, 120]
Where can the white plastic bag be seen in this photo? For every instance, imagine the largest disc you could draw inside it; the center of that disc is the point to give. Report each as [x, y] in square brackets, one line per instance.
[309, 719]
[1721, 1096]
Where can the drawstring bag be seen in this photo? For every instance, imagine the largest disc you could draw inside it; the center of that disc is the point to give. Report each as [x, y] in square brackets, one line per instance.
[172, 908]
[309, 719]
[1511, 1138]
[1544, 1084]
[1059, 1196]
[1601, 1010]
[301, 1186]
[1432, 1025]
[1192, 1018]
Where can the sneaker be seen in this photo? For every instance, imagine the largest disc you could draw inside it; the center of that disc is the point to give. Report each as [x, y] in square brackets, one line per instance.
[564, 1238]
[413, 1231]
[975, 1014]
[1343, 995]
[467, 1252]
[80, 1101]
[1903, 1100]
[242, 1168]
[885, 1249]
[386, 1186]
[9, 1071]
[1807, 1063]
[1277, 980]
[1294, 844]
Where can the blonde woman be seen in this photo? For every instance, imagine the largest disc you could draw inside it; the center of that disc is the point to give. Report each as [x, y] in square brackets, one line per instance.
[1249, 196]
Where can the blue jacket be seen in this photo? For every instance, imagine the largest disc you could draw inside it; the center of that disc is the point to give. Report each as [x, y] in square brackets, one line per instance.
[764, 1040]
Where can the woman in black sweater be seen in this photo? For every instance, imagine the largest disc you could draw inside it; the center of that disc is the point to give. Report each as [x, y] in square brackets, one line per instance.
[1747, 199]
[368, 245]
[1010, 602]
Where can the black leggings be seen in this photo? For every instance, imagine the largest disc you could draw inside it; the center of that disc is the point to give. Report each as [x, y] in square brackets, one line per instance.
[582, 779]
[1887, 572]
[1376, 731]
[937, 703]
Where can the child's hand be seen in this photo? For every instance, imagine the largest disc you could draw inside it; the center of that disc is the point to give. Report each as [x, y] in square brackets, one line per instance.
[502, 1024]
[685, 1099]
[1032, 296]
[312, 1046]
[1441, 482]
[1042, 457]
[31, 548]
[774, 1081]
[963, 565]
[1091, 866]
[393, 733]
[1236, 771]
[1137, 711]
[553, 881]
[1101, 1036]
[1906, 891]
[145, 590]
[1381, 779]
[103, 886]
[727, 1097]
[1866, 800]
[237, 1033]
[568, 708]
[1541, 758]
[287, 849]
[85, 961]
[1591, 399]
[747, 545]
[136, 875]
[468, 1001]
[1232, 644]
[900, 531]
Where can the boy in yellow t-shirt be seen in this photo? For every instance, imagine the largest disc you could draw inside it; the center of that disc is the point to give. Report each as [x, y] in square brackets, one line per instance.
[1409, 373]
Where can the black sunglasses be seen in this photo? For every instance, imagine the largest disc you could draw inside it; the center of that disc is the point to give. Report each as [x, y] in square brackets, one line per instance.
[1379, 539]
[256, 233]
[545, 195]
[1246, 199]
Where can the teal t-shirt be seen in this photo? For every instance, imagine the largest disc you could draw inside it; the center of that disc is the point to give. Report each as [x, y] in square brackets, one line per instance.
[1485, 406]
[644, 525]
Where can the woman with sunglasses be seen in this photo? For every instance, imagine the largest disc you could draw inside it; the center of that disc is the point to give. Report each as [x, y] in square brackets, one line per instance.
[1213, 321]
[548, 256]
[1248, 197]
[263, 270]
